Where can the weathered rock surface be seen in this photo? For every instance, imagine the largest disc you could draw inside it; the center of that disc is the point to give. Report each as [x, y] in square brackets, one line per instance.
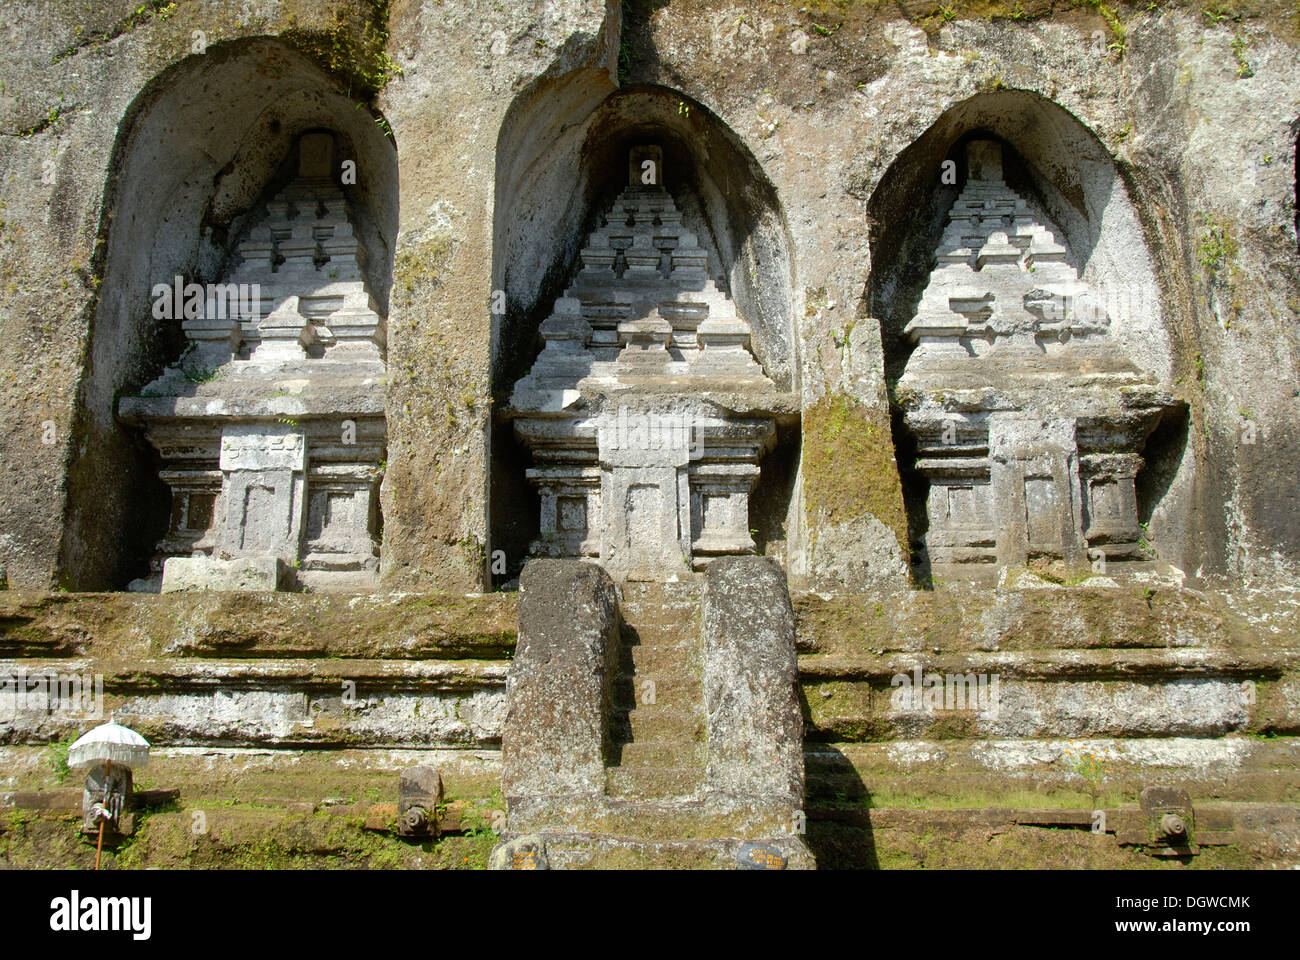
[755, 729]
[559, 689]
[1171, 152]
[1160, 141]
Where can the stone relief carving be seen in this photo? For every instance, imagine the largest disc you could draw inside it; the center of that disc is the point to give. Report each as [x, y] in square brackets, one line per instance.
[271, 428]
[646, 412]
[1029, 420]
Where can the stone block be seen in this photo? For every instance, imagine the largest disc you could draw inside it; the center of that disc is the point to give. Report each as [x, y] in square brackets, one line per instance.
[755, 727]
[559, 690]
[191, 574]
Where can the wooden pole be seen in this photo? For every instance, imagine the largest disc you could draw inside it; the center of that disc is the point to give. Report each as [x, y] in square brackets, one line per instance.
[100, 846]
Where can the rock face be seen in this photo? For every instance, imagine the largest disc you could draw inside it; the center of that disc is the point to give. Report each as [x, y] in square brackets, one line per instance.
[646, 411]
[630, 291]
[1171, 154]
[1029, 419]
[295, 318]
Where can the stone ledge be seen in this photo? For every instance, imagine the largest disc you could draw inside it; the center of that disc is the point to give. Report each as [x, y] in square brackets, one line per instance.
[971, 773]
[398, 626]
[1046, 664]
[1205, 706]
[331, 703]
[306, 674]
[575, 851]
[960, 617]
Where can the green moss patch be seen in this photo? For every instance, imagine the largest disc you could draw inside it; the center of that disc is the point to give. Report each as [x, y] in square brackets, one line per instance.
[848, 465]
[350, 47]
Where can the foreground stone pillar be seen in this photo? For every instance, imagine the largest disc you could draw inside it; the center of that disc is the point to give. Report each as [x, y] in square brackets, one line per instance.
[755, 726]
[635, 738]
[558, 693]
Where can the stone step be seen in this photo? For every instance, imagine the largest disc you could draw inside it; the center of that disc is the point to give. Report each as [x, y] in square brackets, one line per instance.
[685, 645]
[685, 589]
[661, 623]
[661, 754]
[662, 616]
[388, 703]
[957, 617]
[246, 625]
[1175, 697]
[1225, 836]
[658, 723]
[1039, 773]
[589, 852]
[661, 657]
[658, 818]
[1104, 664]
[236, 774]
[269, 703]
[681, 689]
[653, 781]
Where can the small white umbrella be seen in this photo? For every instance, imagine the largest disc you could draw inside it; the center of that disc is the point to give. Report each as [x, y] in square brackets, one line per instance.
[108, 743]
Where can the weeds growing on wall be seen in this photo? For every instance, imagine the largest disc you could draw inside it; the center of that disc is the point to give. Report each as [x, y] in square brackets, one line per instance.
[351, 50]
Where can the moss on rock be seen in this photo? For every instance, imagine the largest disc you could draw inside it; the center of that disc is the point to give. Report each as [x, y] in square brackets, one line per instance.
[848, 465]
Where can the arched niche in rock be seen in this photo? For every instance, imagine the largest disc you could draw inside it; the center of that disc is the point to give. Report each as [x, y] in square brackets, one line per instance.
[199, 154]
[1007, 260]
[562, 167]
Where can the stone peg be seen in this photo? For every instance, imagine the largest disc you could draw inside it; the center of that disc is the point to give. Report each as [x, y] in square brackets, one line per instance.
[1170, 818]
[522, 853]
[419, 794]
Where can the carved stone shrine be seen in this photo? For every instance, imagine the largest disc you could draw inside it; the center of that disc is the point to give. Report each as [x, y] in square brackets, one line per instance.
[271, 427]
[1029, 420]
[646, 412]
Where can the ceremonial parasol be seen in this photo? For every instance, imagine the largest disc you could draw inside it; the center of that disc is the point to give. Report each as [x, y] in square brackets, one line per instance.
[108, 743]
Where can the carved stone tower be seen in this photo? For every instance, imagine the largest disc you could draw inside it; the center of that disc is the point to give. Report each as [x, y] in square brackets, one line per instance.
[646, 412]
[271, 426]
[1029, 420]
